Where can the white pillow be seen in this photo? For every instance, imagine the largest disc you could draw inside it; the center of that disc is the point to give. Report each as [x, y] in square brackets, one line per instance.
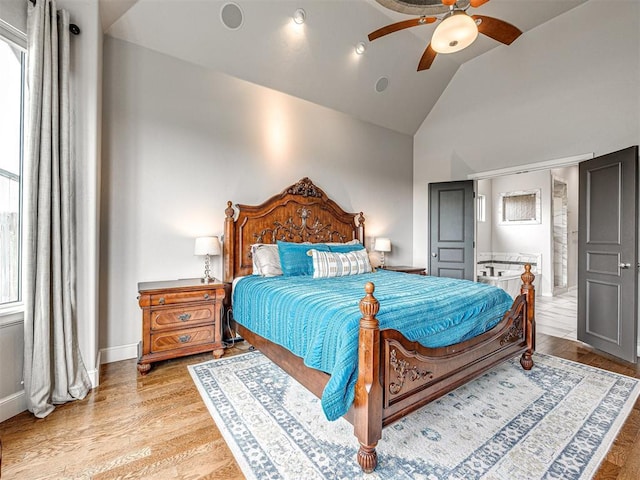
[355, 241]
[334, 264]
[265, 259]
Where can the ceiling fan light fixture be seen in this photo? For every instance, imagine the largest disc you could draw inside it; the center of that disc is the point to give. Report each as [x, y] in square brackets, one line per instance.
[456, 32]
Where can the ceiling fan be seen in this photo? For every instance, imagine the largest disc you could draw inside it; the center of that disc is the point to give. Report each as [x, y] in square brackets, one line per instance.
[456, 30]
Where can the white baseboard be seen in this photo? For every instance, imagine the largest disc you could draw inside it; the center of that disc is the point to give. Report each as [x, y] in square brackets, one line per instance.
[122, 352]
[12, 405]
[94, 374]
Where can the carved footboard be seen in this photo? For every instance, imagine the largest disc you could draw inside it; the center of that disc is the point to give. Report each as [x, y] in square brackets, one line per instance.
[397, 376]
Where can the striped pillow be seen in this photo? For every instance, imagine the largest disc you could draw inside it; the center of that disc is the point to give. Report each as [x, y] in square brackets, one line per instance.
[334, 264]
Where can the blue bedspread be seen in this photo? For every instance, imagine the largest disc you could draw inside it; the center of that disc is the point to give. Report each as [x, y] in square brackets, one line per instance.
[318, 318]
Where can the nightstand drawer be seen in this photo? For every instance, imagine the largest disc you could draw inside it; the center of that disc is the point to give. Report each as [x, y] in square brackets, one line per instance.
[163, 318]
[182, 297]
[161, 342]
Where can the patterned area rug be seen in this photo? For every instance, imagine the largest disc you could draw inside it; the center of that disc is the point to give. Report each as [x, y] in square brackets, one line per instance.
[556, 421]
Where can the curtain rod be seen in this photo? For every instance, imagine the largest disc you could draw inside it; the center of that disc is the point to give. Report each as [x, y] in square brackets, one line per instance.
[73, 28]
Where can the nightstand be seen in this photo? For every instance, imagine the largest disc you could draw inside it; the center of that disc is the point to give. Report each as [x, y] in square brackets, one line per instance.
[405, 269]
[179, 317]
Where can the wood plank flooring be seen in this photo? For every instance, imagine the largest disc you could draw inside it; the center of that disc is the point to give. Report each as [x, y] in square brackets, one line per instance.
[157, 427]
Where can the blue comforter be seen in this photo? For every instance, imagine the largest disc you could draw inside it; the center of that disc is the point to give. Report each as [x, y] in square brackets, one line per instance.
[318, 318]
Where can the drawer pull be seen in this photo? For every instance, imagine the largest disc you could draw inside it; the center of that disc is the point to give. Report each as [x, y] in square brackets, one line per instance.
[184, 338]
[184, 317]
[161, 301]
[206, 296]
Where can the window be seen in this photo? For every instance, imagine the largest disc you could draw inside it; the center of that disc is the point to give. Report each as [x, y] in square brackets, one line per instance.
[11, 148]
[520, 208]
[481, 208]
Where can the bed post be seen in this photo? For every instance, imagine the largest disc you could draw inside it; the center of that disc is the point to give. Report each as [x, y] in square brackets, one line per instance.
[368, 396]
[529, 291]
[228, 243]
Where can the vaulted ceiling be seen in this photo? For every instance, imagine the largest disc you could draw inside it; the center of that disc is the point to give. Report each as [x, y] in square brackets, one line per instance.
[316, 61]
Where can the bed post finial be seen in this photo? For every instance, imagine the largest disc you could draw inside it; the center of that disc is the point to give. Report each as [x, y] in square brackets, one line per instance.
[228, 242]
[529, 291]
[369, 305]
[368, 398]
[527, 277]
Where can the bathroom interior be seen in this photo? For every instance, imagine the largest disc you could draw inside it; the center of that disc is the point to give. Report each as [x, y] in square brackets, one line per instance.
[529, 217]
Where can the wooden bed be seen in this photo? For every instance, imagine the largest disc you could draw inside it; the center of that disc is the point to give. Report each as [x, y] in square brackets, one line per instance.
[395, 375]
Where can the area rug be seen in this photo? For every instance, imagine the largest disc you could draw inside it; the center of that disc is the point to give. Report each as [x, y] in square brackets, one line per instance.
[556, 421]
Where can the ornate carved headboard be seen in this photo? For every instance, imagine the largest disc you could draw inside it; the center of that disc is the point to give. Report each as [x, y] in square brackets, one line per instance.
[300, 213]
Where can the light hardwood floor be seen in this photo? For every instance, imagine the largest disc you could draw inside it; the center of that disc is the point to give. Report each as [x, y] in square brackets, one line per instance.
[157, 427]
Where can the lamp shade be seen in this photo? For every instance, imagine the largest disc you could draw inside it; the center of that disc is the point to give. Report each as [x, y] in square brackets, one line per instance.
[454, 33]
[382, 245]
[207, 246]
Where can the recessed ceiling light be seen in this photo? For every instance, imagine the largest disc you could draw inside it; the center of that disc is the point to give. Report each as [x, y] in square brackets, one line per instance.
[299, 16]
[360, 48]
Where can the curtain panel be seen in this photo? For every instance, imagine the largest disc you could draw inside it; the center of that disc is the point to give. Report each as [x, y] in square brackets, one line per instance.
[54, 372]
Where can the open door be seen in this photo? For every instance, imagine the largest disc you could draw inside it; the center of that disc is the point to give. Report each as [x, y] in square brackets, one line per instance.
[607, 253]
[452, 229]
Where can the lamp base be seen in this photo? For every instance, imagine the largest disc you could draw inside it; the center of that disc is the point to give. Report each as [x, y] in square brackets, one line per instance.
[208, 279]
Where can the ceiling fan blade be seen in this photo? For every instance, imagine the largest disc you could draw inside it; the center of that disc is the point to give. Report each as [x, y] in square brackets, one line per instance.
[394, 27]
[427, 59]
[477, 3]
[497, 29]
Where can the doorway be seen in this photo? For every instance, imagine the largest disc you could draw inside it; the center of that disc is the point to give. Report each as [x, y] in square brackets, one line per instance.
[553, 239]
[560, 212]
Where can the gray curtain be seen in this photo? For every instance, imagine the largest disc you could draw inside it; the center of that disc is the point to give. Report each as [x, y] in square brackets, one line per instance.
[53, 369]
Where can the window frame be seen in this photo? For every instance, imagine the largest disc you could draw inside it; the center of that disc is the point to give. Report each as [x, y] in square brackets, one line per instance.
[536, 193]
[481, 208]
[13, 312]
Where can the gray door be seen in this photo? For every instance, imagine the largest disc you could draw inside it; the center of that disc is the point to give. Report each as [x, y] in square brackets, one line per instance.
[452, 229]
[607, 253]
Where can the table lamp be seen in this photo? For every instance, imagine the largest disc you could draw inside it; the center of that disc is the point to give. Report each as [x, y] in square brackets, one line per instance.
[382, 245]
[207, 246]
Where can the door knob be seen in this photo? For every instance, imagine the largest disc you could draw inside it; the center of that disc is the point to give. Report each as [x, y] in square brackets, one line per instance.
[434, 254]
[624, 265]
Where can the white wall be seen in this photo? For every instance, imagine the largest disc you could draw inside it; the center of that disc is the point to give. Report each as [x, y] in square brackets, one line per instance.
[14, 13]
[180, 140]
[567, 87]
